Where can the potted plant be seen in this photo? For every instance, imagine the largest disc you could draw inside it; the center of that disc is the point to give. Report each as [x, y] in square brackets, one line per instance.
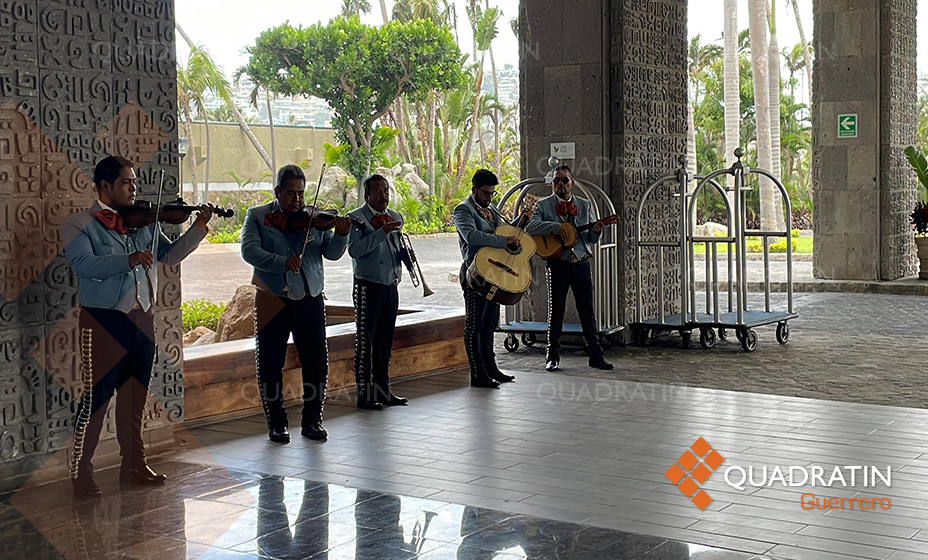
[919, 215]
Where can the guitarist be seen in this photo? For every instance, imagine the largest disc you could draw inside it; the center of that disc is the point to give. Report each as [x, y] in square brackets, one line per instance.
[571, 271]
[475, 220]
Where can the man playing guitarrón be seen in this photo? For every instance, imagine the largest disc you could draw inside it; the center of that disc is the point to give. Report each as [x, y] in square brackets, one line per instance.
[571, 271]
[475, 220]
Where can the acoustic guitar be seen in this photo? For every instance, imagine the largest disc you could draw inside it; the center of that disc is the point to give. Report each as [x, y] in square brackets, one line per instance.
[549, 247]
[503, 274]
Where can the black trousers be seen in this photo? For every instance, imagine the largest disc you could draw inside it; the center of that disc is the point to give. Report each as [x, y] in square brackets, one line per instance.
[480, 324]
[275, 319]
[117, 352]
[375, 309]
[280, 537]
[563, 276]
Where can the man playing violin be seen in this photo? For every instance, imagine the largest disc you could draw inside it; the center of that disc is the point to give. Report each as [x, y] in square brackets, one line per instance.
[375, 257]
[289, 281]
[571, 271]
[118, 281]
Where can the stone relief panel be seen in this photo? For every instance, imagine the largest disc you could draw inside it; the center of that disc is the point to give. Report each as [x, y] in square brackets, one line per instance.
[648, 85]
[81, 79]
[898, 104]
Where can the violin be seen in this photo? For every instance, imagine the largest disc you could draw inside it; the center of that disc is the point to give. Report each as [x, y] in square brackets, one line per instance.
[322, 220]
[143, 213]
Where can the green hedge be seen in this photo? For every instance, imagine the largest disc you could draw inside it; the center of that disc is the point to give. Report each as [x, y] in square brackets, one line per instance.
[201, 312]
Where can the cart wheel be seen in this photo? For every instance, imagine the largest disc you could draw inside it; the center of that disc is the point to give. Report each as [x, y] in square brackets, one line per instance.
[686, 339]
[783, 332]
[749, 342]
[707, 338]
[511, 343]
[723, 334]
[646, 337]
[529, 339]
[606, 342]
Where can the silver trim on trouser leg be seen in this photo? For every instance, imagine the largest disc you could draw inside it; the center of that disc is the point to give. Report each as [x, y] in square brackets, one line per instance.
[325, 348]
[362, 350]
[267, 412]
[86, 404]
[550, 310]
[469, 327]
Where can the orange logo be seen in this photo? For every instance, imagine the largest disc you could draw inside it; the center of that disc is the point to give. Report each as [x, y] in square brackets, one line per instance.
[692, 469]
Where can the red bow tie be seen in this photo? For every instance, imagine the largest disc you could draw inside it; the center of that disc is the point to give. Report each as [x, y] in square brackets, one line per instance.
[565, 208]
[275, 218]
[381, 220]
[112, 221]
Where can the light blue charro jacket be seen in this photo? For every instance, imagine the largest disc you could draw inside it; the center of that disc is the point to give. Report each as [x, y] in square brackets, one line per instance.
[545, 221]
[374, 255]
[267, 249]
[474, 231]
[99, 258]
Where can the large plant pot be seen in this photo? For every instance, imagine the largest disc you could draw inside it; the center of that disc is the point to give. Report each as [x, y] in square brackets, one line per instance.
[922, 244]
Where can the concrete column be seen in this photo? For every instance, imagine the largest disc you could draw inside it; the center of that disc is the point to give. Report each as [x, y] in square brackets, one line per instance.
[862, 187]
[609, 75]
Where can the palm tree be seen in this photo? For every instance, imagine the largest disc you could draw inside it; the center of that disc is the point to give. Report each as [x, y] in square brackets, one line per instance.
[355, 7]
[199, 76]
[805, 49]
[757, 12]
[230, 103]
[773, 79]
[495, 90]
[383, 11]
[732, 85]
[795, 62]
[700, 56]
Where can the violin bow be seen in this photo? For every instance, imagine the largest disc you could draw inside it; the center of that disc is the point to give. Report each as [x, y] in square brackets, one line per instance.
[154, 232]
[308, 238]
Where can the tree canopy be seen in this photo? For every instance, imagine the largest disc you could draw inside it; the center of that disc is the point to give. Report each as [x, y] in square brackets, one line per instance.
[359, 70]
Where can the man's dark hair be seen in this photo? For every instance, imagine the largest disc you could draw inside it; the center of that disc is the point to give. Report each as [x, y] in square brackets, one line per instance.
[483, 178]
[563, 168]
[286, 173]
[109, 169]
[371, 180]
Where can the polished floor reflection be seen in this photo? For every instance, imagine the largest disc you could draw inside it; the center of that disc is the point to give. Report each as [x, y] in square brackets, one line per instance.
[210, 512]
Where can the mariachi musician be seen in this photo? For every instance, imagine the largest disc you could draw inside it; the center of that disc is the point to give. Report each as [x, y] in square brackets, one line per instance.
[375, 258]
[571, 271]
[288, 274]
[476, 220]
[117, 286]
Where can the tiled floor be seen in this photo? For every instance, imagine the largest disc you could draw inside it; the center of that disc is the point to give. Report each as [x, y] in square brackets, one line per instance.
[594, 452]
[216, 513]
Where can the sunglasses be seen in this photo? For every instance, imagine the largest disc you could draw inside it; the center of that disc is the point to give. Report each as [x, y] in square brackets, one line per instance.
[560, 180]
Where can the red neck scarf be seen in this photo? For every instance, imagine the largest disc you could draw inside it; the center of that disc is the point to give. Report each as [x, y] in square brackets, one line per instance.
[565, 208]
[276, 219]
[112, 220]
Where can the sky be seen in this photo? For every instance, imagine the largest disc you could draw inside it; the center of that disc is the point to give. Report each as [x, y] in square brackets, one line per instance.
[226, 27]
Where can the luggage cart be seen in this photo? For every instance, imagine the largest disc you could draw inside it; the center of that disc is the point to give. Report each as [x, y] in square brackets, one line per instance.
[687, 319]
[742, 319]
[604, 269]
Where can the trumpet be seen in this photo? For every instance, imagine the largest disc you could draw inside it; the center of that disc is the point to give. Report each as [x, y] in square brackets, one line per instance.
[408, 256]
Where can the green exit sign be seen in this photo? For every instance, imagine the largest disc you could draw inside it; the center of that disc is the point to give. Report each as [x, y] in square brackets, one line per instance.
[847, 126]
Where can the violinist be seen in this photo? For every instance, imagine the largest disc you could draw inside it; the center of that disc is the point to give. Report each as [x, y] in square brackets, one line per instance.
[375, 256]
[287, 258]
[117, 285]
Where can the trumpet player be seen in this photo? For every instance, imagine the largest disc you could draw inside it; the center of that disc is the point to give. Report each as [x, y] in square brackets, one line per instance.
[375, 251]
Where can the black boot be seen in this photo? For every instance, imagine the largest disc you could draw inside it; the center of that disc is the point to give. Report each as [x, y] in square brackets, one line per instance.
[552, 361]
[483, 380]
[136, 471]
[366, 398]
[497, 375]
[85, 487]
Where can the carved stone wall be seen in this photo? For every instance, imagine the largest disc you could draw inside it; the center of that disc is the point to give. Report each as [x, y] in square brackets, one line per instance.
[623, 101]
[81, 79]
[898, 101]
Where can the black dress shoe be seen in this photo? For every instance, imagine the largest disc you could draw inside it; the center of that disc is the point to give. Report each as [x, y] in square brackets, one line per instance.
[370, 405]
[600, 363]
[395, 400]
[315, 431]
[84, 487]
[484, 382]
[139, 473]
[501, 377]
[552, 363]
[279, 435]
